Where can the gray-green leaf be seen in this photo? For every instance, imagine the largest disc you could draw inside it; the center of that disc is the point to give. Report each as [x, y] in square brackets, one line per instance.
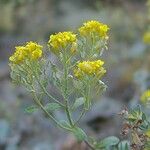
[78, 102]
[108, 142]
[65, 124]
[79, 134]
[124, 145]
[52, 106]
[31, 109]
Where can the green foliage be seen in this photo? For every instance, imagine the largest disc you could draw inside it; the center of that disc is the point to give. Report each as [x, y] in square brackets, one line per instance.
[31, 109]
[65, 124]
[107, 143]
[52, 106]
[79, 134]
[76, 77]
[137, 126]
[124, 145]
[78, 102]
[135, 114]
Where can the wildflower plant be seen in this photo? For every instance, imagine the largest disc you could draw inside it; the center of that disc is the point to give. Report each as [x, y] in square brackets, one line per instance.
[79, 71]
[136, 127]
[76, 75]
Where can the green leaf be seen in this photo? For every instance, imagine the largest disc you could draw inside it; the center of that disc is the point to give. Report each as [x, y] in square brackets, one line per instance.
[108, 142]
[147, 145]
[144, 117]
[65, 124]
[124, 145]
[78, 102]
[135, 114]
[52, 106]
[79, 134]
[31, 109]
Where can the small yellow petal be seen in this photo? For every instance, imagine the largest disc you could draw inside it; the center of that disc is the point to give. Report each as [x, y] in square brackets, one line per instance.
[61, 40]
[94, 27]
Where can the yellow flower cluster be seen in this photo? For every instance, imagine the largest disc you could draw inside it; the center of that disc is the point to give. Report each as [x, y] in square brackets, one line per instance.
[61, 40]
[94, 27]
[145, 97]
[146, 38]
[148, 133]
[89, 68]
[31, 50]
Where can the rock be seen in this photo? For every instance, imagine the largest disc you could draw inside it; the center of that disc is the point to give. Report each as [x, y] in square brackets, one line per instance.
[106, 108]
[4, 71]
[72, 144]
[42, 146]
[103, 119]
[4, 131]
[11, 147]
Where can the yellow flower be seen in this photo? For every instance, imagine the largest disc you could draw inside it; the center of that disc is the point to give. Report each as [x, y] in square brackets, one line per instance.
[148, 133]
[145, 97]
[19, 55]
[146, 38]
[77, 73]
[34, 50]
[61, 40]
[36, 54]
[31, 51]
[86, 67]
[89, 68]
[94, 27]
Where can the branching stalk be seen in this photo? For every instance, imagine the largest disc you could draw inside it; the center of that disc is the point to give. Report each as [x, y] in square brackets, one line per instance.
[66, 91]
[44, 89]
[37, 101]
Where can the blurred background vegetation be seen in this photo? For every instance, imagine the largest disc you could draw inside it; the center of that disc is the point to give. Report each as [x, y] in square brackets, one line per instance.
[127, 63]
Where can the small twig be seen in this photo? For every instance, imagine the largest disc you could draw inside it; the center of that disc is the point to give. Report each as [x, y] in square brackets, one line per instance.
[35, 98]
[81, 115]
[44, 89]
[89, 145]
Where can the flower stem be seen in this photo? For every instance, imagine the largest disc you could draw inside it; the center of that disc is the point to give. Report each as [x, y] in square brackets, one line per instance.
[89, 145]
[80, 116]
[66, 91]
[44, 89]
[37, 101]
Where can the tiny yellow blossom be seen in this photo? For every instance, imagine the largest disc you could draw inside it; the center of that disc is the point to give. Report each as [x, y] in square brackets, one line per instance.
[34, 50]
[61, 40]
[89, 68]
[19, 55]
[146, 38]
[30, 51]
[145, 98]
[36, 54]
[77, 73]
[148, 133]
[86, 67]
[94, 27]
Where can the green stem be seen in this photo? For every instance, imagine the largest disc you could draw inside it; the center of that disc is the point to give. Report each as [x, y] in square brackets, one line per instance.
[37, 101]
[50, 96]
[52, 118]
[44, 89]
[89, 145]
[80, 116]
[87, 96]
[66, 90]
